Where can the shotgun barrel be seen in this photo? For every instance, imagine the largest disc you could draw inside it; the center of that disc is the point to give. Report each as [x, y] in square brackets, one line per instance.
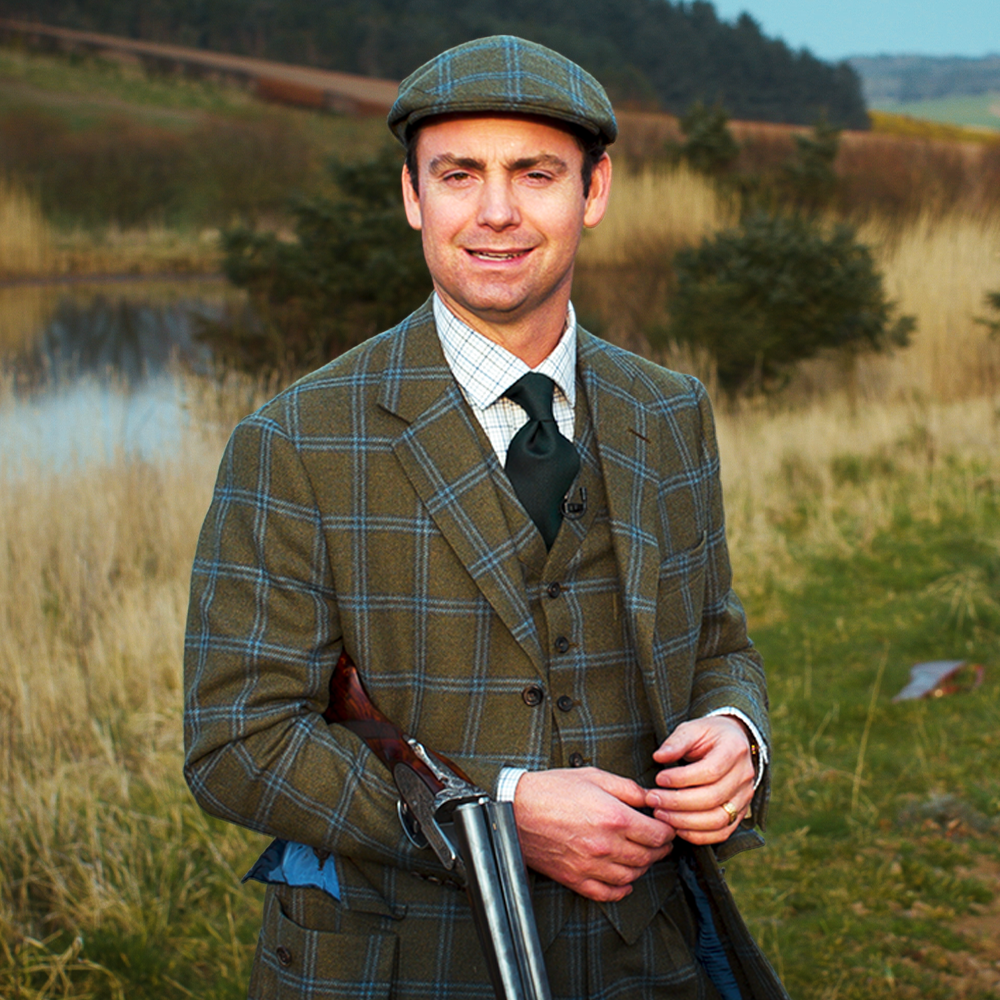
[474, 837]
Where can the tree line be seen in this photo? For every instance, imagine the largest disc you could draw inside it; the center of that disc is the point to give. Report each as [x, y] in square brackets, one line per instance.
[651, 54]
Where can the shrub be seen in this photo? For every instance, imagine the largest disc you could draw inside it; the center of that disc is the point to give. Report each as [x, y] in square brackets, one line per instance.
[708, 146]
[355, 267]
[993, 325]
[809, 175]
[777, 290]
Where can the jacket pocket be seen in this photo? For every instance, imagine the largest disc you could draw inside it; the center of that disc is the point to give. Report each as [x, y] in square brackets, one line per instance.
[684, 568]
[294, 961]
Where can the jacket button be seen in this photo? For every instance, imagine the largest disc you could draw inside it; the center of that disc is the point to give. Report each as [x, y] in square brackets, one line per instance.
[565, 702]
[562, 644]
[576, 760]
[554, 590]
[532, 695]
[284, 955]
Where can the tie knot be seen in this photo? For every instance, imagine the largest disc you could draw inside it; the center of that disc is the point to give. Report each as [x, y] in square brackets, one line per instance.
[533, 393]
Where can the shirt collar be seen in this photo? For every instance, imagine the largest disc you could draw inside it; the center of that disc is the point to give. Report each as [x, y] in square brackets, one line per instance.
[485, 370]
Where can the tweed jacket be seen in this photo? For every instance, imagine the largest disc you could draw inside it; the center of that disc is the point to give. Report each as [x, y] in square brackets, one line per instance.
[359, 510]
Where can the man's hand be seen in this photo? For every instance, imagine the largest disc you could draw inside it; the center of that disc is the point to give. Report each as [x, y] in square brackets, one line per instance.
[580, 827]
[717, 770]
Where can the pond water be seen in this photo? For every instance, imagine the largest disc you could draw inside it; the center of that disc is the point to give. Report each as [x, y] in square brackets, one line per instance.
[89, 372]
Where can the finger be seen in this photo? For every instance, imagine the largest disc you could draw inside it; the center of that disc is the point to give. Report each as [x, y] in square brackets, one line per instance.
[601, 892]
[722, 817]
[631, 855]
[648, 832]
[690, 739]
[732, 788]
[623, 789]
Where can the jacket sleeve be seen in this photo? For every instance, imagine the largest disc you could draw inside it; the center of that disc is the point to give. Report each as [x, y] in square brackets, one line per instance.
[263, 636]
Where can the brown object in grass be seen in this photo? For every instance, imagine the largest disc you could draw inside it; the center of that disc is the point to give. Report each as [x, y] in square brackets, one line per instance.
[940, 677]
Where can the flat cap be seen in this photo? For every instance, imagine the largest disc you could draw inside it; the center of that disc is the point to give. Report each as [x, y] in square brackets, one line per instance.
[506, 74]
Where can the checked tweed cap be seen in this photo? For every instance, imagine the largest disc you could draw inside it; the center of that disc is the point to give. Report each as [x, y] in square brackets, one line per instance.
[503, 73]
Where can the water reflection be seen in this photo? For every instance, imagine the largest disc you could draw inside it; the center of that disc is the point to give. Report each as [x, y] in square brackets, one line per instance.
[90, 422]
[87, 373]
[122, 333]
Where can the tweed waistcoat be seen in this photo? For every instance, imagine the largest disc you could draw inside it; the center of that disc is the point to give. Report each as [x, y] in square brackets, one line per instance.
[596, 704]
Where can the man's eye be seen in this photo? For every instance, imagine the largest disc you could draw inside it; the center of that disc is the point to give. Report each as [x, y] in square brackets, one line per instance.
[458, 175]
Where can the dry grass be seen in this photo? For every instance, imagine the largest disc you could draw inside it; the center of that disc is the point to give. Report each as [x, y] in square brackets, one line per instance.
[98, 834]
[654, 207]
[887, 123]
[830, 475]
[32, 248]
[25, 239]
[624, 267]
[940, 270]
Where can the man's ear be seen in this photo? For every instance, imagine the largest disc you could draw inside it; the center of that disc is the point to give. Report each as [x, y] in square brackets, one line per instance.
[600, 191]
[411, 201]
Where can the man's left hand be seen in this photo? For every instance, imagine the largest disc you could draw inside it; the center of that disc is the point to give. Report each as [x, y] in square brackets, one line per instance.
[711, 769]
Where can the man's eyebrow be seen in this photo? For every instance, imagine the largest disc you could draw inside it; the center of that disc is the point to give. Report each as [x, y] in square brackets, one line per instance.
[446, 161]
[548, 160]
[449, 161]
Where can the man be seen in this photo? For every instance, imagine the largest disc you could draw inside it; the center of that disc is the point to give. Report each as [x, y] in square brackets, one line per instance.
[556, 618]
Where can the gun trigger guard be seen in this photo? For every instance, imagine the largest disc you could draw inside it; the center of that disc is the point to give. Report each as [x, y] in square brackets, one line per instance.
[411, 826]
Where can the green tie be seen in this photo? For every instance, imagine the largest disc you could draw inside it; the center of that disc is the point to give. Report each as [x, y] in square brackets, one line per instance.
[541, 463]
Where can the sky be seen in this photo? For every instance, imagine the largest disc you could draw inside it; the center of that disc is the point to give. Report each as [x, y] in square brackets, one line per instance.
[835, 29]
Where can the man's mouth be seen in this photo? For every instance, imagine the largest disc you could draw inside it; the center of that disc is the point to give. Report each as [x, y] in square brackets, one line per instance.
[499, 254]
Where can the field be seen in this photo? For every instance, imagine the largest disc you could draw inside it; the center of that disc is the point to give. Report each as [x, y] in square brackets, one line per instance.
[982, 110]
[864, 522]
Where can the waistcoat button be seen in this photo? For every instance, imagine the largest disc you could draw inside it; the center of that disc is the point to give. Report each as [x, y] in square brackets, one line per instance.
[576, 760]
[284, 955]
[562, 644]
[554, 590]
[532, 695]
[565, 702]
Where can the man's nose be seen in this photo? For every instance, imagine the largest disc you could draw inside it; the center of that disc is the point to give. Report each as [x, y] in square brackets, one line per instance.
[497, 205]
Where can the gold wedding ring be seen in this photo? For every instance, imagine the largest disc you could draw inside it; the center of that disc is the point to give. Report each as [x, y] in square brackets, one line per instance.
[730, 811]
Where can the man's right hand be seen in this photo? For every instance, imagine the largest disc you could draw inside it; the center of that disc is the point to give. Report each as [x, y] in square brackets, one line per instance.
[580, 827]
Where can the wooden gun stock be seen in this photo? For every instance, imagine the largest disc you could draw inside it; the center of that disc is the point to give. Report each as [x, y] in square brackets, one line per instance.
[353, 709]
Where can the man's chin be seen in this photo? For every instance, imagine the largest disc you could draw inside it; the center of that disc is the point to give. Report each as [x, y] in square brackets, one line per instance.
[498, 309]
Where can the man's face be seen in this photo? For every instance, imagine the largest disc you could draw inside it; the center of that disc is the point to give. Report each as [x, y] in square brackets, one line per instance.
[501, 209]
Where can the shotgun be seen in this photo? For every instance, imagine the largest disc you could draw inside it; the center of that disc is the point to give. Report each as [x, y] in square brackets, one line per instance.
[474, 837]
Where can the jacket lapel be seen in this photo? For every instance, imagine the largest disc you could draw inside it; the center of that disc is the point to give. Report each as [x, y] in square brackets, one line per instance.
[621, 406]
[447, 459]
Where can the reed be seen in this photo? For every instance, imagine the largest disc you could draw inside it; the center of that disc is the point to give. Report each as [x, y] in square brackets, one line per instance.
[30, 247]
[25, 238]
[653, 207]
[939, 270]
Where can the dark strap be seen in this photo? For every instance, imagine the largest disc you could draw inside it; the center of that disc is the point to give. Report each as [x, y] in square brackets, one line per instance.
[541, 462]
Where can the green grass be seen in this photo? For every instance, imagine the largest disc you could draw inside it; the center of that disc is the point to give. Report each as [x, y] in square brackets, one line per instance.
[104, 142]
[883, 828]
[982, 110]
[87, 91]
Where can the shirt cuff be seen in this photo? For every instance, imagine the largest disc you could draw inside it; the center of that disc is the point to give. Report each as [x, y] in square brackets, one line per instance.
[507, 782]
[762, 758]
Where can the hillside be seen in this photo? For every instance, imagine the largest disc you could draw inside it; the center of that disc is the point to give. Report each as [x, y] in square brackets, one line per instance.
[890, 81]
[651, 54]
